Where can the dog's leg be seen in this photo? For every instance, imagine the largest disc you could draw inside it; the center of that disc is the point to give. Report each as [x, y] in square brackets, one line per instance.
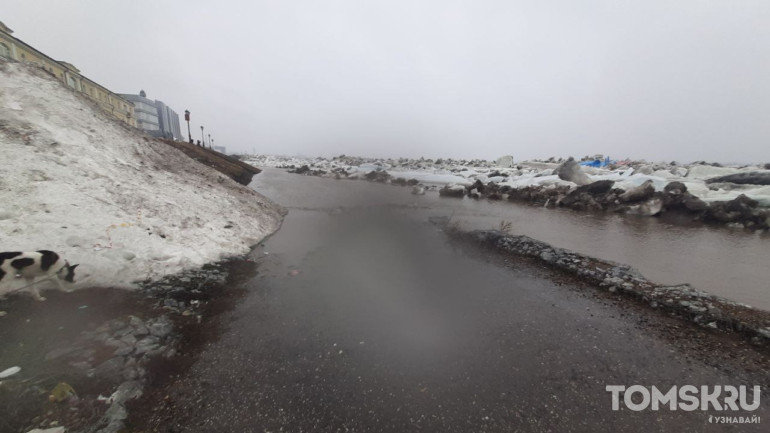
[34, 290]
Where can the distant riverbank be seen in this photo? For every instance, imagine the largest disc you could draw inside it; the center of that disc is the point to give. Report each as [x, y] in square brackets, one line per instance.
[737, 197]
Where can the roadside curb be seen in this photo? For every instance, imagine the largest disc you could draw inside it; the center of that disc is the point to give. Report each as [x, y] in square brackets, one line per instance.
[681, 300]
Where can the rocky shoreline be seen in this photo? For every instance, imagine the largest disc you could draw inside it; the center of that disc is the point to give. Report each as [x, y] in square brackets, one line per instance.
[741, 212]
[675, 200]
[682, 300]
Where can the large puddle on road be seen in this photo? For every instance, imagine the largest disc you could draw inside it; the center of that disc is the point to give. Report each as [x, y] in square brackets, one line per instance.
[732, 264]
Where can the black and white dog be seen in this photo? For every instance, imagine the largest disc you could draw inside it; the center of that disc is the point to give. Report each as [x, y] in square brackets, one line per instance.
[31, 265]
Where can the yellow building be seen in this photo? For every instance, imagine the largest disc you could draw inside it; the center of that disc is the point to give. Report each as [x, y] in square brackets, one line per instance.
[15, 49]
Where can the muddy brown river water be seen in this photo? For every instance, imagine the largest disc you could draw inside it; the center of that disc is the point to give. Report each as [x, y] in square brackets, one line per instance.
[730, 263]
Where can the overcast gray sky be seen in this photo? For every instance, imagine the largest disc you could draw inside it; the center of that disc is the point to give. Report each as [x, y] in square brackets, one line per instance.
[654, 79]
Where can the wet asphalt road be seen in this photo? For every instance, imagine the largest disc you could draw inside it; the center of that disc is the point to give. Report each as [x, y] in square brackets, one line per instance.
[368, 319]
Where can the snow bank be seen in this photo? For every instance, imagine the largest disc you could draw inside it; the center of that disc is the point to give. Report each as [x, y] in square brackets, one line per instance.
[431, 178]
[99, 193]
[708, 171]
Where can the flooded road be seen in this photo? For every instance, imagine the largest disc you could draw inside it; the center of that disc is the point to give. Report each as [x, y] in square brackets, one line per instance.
[728, 263]
[363, 317]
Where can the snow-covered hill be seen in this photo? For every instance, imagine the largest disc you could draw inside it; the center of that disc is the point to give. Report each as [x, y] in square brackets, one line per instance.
[123, 206]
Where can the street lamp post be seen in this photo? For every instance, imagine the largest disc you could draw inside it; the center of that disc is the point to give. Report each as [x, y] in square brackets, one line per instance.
[187, 118]
[203, 138]
[210, 141]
